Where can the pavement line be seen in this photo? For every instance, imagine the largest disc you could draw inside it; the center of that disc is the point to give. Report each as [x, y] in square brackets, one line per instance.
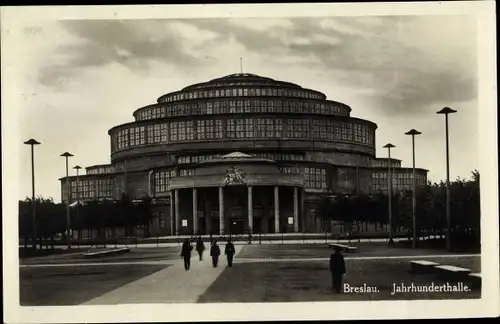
[89, 264]
[249, 260]
[171, 262]
[255, 241]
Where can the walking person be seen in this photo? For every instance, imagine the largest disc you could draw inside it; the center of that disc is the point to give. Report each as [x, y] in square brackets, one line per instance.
[186, 253]
[229, 251]
[214, 253]
[337, 269]
[200, 247]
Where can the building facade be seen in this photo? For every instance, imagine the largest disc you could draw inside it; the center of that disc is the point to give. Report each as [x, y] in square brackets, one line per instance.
[240, 153]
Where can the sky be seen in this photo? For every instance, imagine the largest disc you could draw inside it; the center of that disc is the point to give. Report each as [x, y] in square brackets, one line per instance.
[79, 78]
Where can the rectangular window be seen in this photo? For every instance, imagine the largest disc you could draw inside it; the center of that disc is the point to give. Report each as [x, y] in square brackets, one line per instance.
[186, 173]
[269, 128]
[235, 128]
[319, 129]
[270, 105]
[209, 124]
[239, 106]
[160, 181]
[174, 131]
[123, 139]
[248, 128]
[261, 128]
[189, 130]
[209, 108]
[137, 136]
[218, 129]
[200, 129]
[183, 159]
[181, 128]
[286, 106]
[104, 188]
[232, 106]
[298, 128]
[315, 178]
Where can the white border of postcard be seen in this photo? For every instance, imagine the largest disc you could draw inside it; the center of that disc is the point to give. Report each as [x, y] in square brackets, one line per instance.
[487, 306]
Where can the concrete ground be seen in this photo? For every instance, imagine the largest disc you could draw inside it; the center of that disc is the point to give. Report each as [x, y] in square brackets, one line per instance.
[261, 273]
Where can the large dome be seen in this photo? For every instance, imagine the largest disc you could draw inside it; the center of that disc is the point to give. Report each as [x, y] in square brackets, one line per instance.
[247, 82]
[242, 79]
[278, 139]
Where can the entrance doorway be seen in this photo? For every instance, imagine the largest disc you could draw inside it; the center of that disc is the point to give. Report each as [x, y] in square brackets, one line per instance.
[237, 226]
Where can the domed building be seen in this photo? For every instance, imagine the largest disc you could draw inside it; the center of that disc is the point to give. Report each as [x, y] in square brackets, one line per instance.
[240, 153]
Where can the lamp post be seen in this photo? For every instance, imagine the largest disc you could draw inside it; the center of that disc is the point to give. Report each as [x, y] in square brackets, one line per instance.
[445, 111]
[32, 143]
[414, 132]
[389, 146]
[66, 155]
[77, 168]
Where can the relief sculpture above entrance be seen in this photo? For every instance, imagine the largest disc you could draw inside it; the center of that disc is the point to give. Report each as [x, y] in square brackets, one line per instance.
[234, 175]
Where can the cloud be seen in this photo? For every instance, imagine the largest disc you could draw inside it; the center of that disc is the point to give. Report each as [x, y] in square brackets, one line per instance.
[134, 44]
[399, 67]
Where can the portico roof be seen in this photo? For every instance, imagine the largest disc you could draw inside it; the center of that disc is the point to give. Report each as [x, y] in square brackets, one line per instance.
[237, 157]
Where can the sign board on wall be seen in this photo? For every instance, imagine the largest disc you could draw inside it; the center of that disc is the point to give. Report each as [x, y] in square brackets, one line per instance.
[184, 223]
[290, 220]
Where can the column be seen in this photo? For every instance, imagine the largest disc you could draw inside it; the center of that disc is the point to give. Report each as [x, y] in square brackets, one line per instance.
[295, 210]
[250, 208]
[177, 213]
[195, 212]
[276, 210]
[172, 214]
[221, 210]
[302, 209]
[208, 213]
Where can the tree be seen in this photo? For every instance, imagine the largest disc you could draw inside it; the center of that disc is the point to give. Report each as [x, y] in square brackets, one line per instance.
[145, 213]
[127, 214]
[50, 219]
[110, 215]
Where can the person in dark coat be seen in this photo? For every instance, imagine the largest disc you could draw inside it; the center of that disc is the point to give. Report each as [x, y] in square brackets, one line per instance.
[200, 247]
[337, 269]
[214, 253]
[186, 254]
[229, 251]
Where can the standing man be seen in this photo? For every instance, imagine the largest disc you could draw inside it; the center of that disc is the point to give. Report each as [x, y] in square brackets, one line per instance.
[229, 251]
[186, 253]
[200, 247]
[214, 253]
[337, 269]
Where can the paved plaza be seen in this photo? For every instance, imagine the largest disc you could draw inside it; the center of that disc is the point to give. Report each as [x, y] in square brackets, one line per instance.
[261, 273]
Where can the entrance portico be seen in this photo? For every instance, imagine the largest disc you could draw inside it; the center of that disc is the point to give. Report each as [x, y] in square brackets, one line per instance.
[236, 194]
